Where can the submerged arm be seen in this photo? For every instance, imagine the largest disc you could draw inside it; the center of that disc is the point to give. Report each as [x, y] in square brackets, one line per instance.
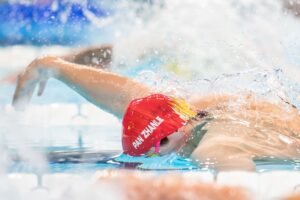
[106, 90]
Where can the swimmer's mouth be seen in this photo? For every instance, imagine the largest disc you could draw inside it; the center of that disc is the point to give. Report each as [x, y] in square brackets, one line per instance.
[184, 142]
[164, 141]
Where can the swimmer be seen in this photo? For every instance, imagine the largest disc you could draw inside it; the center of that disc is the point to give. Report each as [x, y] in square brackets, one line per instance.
[207, 129]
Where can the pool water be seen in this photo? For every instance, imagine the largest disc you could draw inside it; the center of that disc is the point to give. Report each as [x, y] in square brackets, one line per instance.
[71, 165]
[72, 160]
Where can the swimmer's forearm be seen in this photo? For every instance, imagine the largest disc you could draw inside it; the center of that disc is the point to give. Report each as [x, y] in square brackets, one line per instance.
[107, 90]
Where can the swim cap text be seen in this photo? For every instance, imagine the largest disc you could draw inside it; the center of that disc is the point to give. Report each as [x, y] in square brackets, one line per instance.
[150, 128]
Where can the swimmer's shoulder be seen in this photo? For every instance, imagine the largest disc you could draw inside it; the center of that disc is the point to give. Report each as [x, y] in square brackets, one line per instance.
[211, 101]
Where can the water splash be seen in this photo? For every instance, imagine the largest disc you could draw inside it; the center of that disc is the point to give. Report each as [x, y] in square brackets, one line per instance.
[165, 162]
[205, 38]
[271, 85]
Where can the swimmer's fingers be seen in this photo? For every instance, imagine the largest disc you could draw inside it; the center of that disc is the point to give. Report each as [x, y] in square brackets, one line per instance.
[23, 92]
[16, 93]
[42, 86]
[16, 102]
[33, 74]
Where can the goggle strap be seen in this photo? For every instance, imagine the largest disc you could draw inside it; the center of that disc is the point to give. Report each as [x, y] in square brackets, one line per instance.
[157, 146]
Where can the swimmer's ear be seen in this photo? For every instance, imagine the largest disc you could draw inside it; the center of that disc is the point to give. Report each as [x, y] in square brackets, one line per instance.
[42, 86]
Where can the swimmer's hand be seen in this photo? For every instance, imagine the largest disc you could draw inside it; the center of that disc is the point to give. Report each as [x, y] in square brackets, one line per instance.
[37, 73]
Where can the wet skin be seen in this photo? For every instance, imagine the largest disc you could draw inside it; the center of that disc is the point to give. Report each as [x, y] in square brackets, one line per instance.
[236, 135]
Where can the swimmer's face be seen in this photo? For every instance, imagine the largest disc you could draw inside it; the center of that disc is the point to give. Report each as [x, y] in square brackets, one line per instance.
[170, 144]
[173, 142]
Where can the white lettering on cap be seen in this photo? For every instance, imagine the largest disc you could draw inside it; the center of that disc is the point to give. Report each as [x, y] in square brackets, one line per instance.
[138, 141]
[150, 128]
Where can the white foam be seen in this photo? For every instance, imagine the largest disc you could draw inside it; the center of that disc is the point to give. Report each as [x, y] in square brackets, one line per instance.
[17, 57]
[278, 184]
[60, 125]
[205, 177]
[247, 180]
[209, 37]
[58, 114]
[22, 181]
[70, 186]
[200, 38]
[265, 186]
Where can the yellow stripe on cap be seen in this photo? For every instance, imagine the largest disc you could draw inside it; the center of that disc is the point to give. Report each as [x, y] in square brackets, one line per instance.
[182, 108]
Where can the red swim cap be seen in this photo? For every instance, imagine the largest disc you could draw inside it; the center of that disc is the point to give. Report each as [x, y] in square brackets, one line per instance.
[150, 119]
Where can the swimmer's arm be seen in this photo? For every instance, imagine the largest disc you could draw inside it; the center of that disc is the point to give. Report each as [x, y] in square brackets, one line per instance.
[106, 90]
[98, 57]
[250, 103]
[211, 101]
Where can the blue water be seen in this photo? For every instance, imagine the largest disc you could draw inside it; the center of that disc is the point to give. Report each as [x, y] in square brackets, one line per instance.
[163, 163]
[29, 23]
